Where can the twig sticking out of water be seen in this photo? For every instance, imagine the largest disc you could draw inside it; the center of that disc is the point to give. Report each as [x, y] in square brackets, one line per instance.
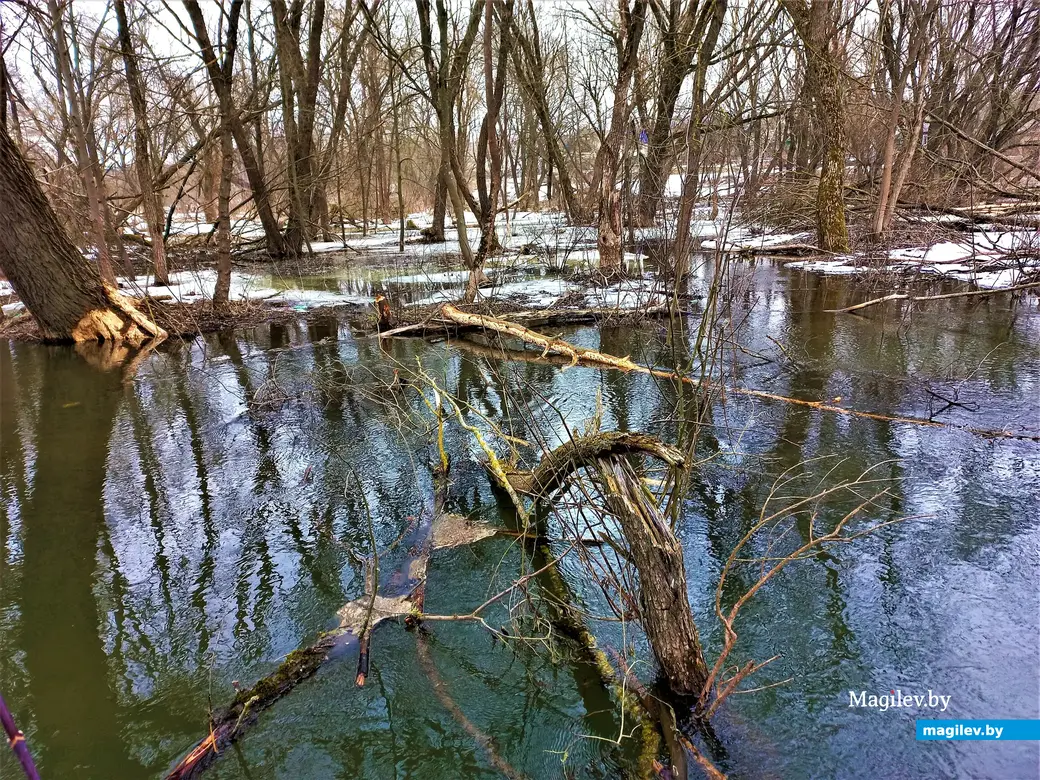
[16, 739]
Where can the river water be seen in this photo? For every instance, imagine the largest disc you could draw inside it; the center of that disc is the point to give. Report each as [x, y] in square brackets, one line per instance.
[165, 534]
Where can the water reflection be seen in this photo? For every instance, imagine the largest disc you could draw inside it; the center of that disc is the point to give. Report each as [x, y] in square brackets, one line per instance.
[167, 533]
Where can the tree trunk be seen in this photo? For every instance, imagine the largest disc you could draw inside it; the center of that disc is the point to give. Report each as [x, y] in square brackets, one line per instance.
[695, 143]
[817, 28]
[527, 61]
[608, 159]
[220, 74]
[664, 606]
[143, 155]
[222, 290]
[299, 80]
[60, 288]
[494, 86]
[84, 164]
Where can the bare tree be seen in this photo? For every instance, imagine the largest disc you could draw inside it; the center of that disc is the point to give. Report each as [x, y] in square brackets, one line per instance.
[64, 292]
[142, 141]
[817, 26]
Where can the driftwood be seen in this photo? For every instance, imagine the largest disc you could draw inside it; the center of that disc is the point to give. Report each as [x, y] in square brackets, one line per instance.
[916, 298]
[586, 357]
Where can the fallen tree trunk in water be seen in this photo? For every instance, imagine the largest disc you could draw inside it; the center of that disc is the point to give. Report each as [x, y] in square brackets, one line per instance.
[591, 358]
[538, 318]
[944, 296]
[358, 619]
[654, 551]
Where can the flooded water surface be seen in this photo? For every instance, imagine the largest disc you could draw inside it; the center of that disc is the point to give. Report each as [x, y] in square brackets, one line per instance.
[169, 535]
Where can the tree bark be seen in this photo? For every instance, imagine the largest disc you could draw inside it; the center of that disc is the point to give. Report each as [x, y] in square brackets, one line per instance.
[220, 78]
[664, 606]
[494, 87]
[61, 289]
[222, 290]
[299, 80]
[84, 163]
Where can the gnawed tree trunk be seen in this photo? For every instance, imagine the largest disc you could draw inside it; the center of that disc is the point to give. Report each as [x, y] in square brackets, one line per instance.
[62, 290]
[142, 153]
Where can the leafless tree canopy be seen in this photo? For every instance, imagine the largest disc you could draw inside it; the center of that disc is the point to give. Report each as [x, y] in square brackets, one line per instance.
[310, 116]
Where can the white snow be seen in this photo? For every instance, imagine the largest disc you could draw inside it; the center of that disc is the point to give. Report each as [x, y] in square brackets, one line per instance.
[192, 286]
[982, 258]
[742, 238]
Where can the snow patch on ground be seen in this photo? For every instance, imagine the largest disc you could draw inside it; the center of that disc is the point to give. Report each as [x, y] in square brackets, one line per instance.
[194, 286]
[738, 239]
[989, 259]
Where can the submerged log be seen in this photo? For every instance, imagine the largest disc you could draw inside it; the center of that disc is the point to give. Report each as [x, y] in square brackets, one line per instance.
[402, 597]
